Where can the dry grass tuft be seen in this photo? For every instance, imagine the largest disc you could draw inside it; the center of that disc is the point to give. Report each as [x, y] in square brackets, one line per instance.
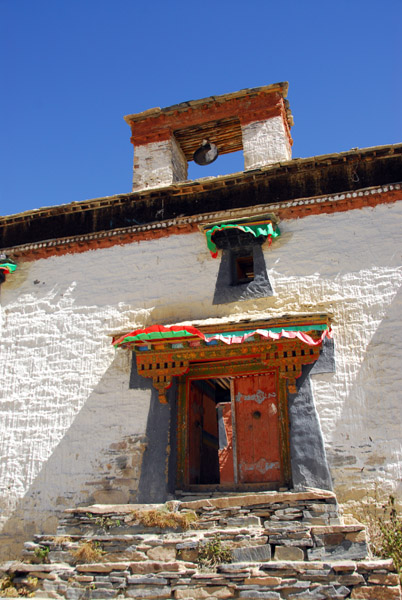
[88, 552]
[164, 519]
[213, 553]
[383, 521]
[25, 589]
[59, 540]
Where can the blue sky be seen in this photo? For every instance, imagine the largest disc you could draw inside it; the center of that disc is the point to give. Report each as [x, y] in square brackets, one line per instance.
[70, 70]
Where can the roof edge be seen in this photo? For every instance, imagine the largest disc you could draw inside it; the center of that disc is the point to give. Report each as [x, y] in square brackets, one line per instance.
[281, 87]
[204, 184]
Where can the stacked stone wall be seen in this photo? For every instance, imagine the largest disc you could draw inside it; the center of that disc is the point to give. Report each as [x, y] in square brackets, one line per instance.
[274, 549]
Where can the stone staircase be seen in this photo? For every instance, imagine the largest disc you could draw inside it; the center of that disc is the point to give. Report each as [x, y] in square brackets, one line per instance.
[283, 545]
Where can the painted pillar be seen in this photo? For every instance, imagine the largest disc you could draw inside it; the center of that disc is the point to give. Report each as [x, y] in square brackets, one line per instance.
[158, 164]
[265, 142]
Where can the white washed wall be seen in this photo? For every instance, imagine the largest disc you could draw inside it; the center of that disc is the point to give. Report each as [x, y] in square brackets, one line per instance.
[265, 143]
[66, 405]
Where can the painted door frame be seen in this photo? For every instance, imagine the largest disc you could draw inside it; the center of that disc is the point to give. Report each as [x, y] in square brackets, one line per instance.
[229, 368]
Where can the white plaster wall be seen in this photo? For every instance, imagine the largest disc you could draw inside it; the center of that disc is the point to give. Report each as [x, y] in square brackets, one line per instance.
[265, 142]
[65, 398]
[158, 164]
[349, 265]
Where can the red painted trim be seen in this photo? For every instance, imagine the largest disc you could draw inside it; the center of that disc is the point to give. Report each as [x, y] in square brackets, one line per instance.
[285, 213]
[259, 107]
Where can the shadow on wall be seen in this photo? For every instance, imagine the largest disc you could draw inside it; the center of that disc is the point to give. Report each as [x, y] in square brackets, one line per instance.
[307, 450]
[98, 459]
[225, 289]
[157, 478]
[368, 452]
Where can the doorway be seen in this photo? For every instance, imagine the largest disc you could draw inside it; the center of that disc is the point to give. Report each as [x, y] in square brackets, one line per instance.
[233, 433]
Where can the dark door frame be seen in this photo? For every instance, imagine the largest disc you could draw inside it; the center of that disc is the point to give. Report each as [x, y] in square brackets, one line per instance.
[228, 368]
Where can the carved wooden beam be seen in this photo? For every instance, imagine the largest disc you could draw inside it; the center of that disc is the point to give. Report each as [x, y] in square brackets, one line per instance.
[290, 357]
[162, 363]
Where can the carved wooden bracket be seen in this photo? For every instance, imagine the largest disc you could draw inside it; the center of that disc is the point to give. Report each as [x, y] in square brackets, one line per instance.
[290, 356]
[162, 368]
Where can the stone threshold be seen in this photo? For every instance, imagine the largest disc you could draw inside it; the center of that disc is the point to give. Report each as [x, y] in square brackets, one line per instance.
[234, 500]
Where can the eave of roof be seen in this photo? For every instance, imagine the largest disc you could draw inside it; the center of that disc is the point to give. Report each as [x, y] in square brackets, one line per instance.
[281, 87]
[269, 187]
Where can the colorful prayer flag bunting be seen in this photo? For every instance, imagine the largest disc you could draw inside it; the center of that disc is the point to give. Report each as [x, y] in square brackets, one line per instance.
[158, 332]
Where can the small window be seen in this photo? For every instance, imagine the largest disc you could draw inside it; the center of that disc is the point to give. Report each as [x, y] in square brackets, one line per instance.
[243, 269]
[242, 275]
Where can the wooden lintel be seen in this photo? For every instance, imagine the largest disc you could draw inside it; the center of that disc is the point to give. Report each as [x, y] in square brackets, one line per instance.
[286, 355]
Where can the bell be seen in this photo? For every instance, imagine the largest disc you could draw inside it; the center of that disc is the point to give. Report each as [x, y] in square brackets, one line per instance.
[206, 153]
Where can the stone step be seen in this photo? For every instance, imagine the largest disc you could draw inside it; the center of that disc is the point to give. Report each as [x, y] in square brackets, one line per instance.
[316, 507]
[294, 542]
[372, 579]
[282, 545]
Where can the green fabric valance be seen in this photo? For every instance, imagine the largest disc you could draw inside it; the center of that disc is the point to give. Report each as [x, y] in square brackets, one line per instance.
[256, 229]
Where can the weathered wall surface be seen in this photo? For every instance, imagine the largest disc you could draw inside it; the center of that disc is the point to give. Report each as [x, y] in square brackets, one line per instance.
[158, 164]
[73, 430]
[265, 142]
[350, 266]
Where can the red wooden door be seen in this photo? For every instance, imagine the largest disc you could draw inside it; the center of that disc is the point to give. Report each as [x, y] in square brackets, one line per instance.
[226, 466]
[257, 426]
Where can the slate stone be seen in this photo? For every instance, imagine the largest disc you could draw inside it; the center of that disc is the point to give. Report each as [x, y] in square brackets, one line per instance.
[254, 595]
[343, 591]
[288, 514]
[119, 574]
[161, 553]
[384, 579]
[321, 508]
[203, 593]
[332, 593]
[351, 579]
[143, 568]
[283, 541]
[321, 520]
[252, 554]
[317, 574]
[244, 521]
[307, 595]
[189, 555]
[118, 581]
[151, 592]
[286, 526]
[344, 550]
[84, 578]
[74, 593]
[187, 546]
[103, 584]
[376, 593]
[147, 581]
[100, 594]
[262, 580]
[288, 553]
[101, 578]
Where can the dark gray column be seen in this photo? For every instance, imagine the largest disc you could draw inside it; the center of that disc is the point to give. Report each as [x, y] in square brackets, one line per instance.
[307, 451]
